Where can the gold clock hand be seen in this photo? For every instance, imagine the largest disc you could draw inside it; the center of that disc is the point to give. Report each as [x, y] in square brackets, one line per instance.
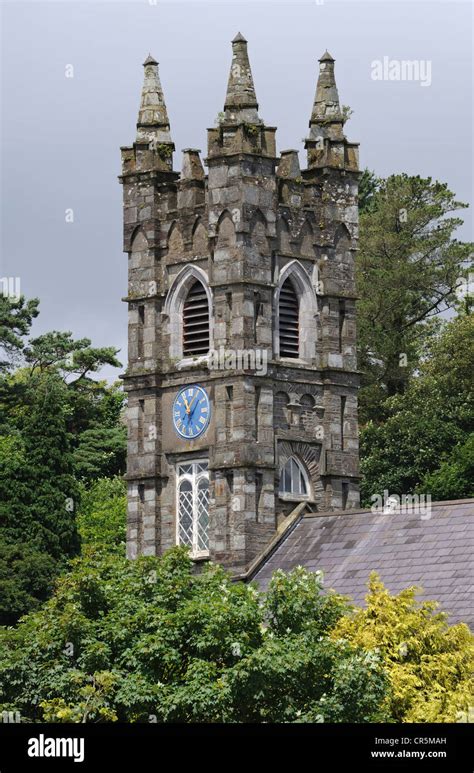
[192, 401]
[186, 403]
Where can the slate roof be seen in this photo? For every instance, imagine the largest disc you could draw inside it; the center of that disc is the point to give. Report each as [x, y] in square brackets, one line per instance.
[405, 548]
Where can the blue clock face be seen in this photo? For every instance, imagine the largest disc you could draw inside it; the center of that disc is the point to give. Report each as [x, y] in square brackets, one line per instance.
[191, 412]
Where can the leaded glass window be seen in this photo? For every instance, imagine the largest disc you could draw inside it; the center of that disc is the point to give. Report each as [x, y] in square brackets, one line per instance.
[193, 507]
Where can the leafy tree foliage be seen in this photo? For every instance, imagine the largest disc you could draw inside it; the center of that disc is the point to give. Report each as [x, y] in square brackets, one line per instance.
[149, 639]
[58, 426]
[26, 578]
[100, 452]
[73, 360]
[408, 268]
[37, 495]
[16, 317]
[455, 477]
[369, 184]
[425, 426]
[101, 517]
[26, 573]
[430, 663]
[40, 506]
[98, 433]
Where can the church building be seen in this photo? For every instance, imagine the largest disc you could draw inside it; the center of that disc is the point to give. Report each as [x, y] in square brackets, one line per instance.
[242, 376]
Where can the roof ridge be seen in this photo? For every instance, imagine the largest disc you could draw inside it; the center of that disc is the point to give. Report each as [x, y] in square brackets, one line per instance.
[359, 510]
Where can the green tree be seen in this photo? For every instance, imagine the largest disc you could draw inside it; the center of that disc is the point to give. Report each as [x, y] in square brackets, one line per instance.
[424, 426]
[100, 451]
[73, 359]
[369, 184]
[26, 573]
[408, 268]
[16, 317]
[45, 508]
[430, 663]
[129, 640]
[95, 408]
[58, 425]
[27, 577]
[38, 495]
[454, 479]
[98, 433]
[101, 516]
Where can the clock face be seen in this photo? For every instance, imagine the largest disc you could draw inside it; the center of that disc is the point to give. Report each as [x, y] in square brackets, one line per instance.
[191, 412]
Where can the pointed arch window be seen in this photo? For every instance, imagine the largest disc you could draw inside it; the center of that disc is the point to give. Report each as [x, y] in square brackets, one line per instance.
[196, 321]
[293, 479]
[288, 316]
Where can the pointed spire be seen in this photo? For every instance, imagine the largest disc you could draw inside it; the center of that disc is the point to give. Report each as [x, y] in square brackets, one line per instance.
[326, 57]
[153, 123]
[326, 102]
[241, 97]
[325, 144]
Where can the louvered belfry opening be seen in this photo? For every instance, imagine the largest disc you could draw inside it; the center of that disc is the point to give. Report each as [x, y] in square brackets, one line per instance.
[196, 321]
[288, 313]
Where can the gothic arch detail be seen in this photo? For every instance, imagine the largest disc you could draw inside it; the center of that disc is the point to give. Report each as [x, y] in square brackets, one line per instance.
[225, 232]
[258, 233]
[138, 242]
[307, 401]
[342, 237]
[309, 456]
[294, 481]
[200, 243]
[137, 257]
[344, 257]
[174, 306]
[307, 311]
[306, 241]
[175, 240]
[283, 231]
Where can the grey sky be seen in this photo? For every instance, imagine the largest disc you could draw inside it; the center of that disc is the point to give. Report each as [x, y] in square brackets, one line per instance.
[61, 137]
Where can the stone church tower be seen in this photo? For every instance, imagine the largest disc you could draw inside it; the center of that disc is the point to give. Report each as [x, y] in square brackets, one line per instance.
[242, 377]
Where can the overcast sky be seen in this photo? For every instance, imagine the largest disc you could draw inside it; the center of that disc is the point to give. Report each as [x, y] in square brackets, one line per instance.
[61, 136]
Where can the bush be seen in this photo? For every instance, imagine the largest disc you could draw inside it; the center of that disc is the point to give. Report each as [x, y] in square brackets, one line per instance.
[430, 663]
[129, 640]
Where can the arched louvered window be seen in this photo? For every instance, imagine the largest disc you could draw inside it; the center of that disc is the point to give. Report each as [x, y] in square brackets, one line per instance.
[293, 479]
[196, 321]
[288, 315]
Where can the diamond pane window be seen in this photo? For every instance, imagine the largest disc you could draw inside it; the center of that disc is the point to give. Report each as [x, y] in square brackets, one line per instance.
[203, 514]
[186, 513]
[193, 507]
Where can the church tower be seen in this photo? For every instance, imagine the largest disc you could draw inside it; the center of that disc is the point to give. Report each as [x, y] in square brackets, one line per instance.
[242, 378]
